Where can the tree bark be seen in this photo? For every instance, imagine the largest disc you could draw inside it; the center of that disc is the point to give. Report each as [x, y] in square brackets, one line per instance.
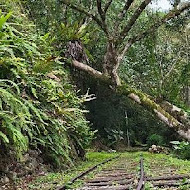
[143, 99]
[176, 112]
[133, 19]
[111, 63]
[187, 95]
[88, 69]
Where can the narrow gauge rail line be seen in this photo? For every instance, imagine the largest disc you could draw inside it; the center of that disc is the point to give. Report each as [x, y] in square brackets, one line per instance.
[85, 173]
[119, 175]
[141, 183]
[122, 175]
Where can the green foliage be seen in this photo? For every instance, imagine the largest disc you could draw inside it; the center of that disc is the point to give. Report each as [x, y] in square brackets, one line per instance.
[155, 139]
[39, 107]
[114, 136]
[181, 149]
[160, 68]
[14, 117]
[3, 19]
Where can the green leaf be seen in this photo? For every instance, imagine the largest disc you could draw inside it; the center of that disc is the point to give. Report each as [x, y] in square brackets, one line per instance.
[3, 19]
[34, 92]
[175, 142]
[4, 137]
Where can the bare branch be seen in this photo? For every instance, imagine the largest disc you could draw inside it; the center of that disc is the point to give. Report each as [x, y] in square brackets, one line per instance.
[133, 19]
[173, 13]
[122, 13]
[125, 9]
[172, 67]
[88, 97]
[81, 10]
[107, 5]
[100, 11]
[122, 54]
[102, 14]
[86, 68]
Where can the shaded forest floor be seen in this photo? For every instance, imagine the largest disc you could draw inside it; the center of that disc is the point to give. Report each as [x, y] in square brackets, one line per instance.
[154, 164]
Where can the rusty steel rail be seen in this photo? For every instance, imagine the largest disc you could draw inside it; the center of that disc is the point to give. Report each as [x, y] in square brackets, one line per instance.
[124, 180]
[85, 173]
[157, 181]
[142, 175]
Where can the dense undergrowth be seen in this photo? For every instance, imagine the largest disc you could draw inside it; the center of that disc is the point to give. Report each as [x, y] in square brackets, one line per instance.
[39, 107]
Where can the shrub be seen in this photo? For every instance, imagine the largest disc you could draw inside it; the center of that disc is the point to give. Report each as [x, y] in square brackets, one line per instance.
[181, 149]
[155, 139]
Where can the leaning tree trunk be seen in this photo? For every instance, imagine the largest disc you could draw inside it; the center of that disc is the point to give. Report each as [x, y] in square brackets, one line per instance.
[141, 98]
[182, 128]
[176, 112]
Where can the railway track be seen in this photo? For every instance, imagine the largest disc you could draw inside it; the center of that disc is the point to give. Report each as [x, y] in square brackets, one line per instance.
[121, 174]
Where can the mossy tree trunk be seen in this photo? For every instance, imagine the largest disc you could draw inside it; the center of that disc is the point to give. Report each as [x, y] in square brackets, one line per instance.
[118, 43]
[182, 127]
[171, 120]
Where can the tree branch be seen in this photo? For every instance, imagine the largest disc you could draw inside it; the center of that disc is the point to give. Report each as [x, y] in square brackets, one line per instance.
[102, 14]
[133, 19]
[81, 10]
[125, 9]
[107, 5]
[122, 54]
[91, 71]
[100, 11]
[173, 13]
[122, 14]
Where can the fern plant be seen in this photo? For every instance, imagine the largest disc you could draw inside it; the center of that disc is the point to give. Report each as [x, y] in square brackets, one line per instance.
[39, 107]
[14, 117]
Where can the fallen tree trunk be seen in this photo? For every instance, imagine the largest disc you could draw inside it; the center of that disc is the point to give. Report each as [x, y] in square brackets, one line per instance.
[140, 98]
[176, 112]
[143, 99]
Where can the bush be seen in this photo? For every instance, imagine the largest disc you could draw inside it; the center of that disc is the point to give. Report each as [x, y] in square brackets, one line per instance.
[181, 149]
[155, 139]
